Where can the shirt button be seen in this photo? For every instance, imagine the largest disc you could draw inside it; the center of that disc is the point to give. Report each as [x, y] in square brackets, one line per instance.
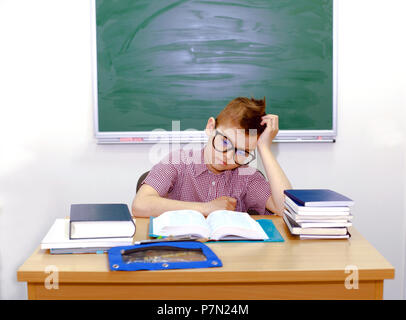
[213, 183]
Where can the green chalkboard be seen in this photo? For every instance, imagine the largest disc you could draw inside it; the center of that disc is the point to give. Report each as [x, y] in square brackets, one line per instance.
[164, 60]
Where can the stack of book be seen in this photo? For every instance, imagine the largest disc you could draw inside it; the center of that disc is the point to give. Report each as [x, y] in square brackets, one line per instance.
[318, 213]
[91, 228]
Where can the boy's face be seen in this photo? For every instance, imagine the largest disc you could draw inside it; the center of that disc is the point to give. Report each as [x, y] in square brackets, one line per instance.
[221, 145]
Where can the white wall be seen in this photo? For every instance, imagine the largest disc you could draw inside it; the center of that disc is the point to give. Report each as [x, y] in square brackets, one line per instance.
[49, 159]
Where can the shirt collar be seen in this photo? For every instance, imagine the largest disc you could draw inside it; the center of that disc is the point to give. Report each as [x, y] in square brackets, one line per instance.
[201, 166]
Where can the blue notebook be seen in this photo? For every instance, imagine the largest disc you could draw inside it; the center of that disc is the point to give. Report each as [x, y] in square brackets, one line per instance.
[266, 224]
[318, 198]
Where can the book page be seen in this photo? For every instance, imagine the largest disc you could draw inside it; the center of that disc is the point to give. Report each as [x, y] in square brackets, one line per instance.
[227, 224]
[179, 222]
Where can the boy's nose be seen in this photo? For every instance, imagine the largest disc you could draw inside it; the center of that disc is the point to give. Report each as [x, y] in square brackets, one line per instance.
[229, 157]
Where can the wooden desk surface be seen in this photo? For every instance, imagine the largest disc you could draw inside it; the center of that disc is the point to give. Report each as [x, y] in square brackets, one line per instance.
[291, 261]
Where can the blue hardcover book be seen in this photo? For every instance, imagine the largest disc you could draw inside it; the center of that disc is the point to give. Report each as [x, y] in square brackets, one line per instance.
[318, 198]
[98, 221]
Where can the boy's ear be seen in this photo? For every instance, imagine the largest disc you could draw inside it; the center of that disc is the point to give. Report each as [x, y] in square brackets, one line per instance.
[210, 127]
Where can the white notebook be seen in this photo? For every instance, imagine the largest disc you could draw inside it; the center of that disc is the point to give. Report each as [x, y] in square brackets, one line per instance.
[58, 238]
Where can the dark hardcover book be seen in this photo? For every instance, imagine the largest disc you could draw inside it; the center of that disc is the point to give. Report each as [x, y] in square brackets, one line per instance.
[318, 198]
[98, 221]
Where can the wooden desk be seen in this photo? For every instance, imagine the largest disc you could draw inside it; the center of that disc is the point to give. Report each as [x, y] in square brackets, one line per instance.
[294, 269]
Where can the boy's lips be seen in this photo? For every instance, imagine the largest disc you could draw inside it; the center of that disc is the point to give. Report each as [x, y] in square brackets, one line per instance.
[220, 161]
[223, 162]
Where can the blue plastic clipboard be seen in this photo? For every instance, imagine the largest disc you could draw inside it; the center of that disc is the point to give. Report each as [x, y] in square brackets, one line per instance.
[266, 224]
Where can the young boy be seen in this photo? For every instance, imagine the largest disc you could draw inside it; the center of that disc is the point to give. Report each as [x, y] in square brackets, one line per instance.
[218, 176]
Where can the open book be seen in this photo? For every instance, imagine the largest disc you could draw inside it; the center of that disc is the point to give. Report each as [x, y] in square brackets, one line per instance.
[219, 225]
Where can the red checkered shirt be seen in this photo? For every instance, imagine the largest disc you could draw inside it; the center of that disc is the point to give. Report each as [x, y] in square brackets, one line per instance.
[183, 175]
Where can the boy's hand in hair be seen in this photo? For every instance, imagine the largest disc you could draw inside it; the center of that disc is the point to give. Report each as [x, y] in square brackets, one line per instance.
[271, 121]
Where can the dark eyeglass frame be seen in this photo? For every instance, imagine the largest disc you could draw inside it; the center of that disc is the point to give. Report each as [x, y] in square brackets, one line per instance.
[233, 148]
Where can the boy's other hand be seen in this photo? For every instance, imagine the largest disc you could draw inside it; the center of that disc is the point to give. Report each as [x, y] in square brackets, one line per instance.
[272, 127]
[221, 203]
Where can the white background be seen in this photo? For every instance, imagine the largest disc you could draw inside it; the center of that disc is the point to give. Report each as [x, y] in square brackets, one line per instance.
[49, 158]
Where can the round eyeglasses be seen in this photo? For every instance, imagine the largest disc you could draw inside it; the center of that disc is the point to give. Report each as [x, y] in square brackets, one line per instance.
[222, 144]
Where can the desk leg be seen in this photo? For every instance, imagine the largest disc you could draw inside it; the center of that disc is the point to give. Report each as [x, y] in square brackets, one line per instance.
[379, 290]
[32, 291]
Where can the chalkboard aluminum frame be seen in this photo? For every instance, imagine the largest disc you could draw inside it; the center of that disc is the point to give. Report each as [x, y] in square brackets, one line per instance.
[200, 136]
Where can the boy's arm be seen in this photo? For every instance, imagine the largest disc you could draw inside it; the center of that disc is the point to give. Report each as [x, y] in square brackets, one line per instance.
[148, 202]
[276, 177]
